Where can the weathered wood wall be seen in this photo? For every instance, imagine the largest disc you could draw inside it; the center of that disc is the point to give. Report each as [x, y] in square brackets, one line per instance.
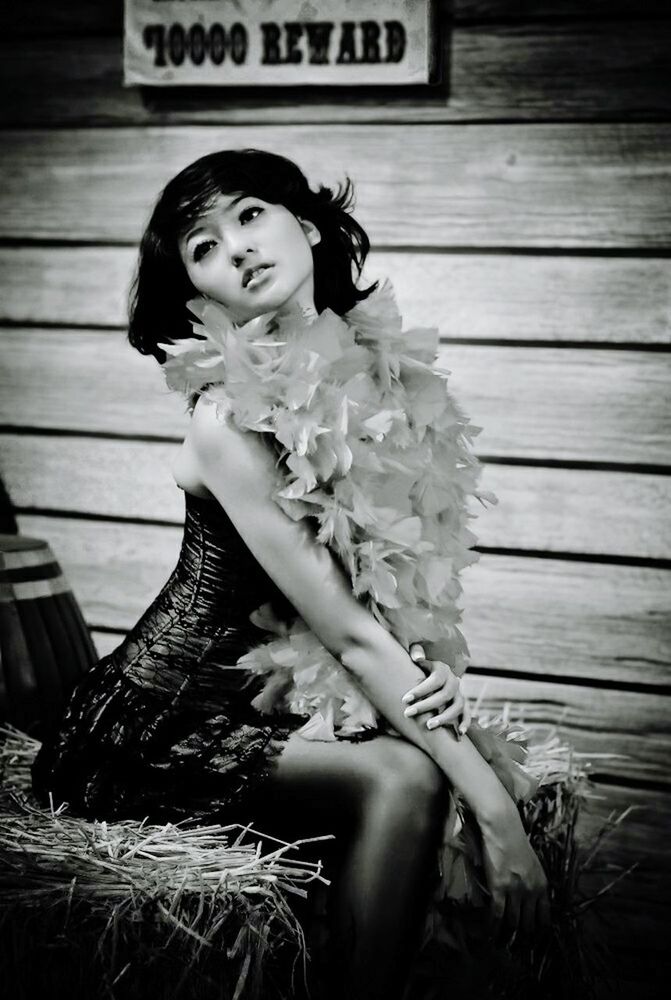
[524, 205]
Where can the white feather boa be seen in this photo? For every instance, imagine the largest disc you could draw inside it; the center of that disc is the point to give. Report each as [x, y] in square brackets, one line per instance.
[373, 446]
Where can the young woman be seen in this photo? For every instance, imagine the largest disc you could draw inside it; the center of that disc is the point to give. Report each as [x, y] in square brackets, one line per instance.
[165, 725]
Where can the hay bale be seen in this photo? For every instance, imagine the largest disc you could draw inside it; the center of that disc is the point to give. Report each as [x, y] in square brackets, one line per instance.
[128, 909]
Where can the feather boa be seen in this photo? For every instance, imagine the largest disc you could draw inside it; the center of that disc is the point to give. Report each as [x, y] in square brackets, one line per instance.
[373, 446]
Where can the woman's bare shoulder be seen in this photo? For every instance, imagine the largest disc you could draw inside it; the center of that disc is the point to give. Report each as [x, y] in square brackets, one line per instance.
[217, 451]
[212, 429]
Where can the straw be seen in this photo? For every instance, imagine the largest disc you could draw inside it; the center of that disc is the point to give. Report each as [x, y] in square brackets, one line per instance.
[212, 899]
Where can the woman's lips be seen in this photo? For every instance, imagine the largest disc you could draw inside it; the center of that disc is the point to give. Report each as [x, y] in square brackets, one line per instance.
[260, 276]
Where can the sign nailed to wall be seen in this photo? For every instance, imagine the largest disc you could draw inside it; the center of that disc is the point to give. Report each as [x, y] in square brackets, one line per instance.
[246, 42]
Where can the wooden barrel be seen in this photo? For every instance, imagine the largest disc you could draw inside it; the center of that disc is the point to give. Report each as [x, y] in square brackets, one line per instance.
[45, 646]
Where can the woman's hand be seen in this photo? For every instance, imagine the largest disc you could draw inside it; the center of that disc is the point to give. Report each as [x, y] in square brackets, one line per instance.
[515, 878]
[440, 690]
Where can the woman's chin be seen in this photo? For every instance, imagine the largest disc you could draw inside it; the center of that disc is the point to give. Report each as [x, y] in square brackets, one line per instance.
[266, 300]
[273, 300]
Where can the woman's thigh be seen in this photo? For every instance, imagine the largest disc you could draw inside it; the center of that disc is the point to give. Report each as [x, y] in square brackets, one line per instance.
[325, 787]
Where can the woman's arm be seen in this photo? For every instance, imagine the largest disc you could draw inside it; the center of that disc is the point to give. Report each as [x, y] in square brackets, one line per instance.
[238, 469]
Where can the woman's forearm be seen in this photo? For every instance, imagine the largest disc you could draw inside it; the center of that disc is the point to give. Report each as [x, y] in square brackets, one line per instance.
[384, 672]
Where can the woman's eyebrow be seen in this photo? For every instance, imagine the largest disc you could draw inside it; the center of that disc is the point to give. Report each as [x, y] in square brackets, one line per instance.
[230, 207]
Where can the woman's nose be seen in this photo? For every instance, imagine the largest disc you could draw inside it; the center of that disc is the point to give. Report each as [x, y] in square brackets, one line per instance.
[239, 251]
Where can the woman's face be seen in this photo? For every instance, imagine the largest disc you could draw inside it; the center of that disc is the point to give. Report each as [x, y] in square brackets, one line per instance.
[252, 256]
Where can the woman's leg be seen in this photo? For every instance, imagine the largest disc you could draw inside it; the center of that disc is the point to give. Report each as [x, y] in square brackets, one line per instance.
[386, 801]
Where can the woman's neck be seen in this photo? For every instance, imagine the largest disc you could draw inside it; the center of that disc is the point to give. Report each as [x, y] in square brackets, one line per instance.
[305, 311]
[301, 306]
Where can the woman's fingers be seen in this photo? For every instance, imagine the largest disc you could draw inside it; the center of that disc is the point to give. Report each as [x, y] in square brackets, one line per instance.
[458, 712]
[449, 717]
[465, 718]
[440, 676]
[440, 690]
[438, 700]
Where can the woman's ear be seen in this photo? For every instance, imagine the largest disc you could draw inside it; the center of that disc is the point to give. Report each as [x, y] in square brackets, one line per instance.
[311, 231]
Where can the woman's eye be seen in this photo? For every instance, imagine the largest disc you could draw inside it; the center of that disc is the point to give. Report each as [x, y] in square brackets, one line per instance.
[201, 249]
[250, 213]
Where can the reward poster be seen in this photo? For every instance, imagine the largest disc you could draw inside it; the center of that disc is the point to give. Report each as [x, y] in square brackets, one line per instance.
[247, 42]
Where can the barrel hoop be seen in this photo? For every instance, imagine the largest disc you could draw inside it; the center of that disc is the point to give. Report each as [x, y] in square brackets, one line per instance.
[26, 557]
[23, 574]
[32, 589]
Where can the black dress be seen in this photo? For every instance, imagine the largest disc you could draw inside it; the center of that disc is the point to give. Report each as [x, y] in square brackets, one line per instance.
[163, 726]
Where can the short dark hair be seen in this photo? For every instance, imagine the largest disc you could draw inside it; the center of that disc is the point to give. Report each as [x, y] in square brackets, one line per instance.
[161, 286]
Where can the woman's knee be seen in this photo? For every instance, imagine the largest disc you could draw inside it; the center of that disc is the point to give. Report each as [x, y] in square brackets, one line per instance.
[410, 781]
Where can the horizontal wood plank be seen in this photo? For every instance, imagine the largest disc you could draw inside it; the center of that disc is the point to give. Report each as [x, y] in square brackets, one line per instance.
[523, 10]
[539, 509]
[500, 297]
[76, 17]
[568, 510]
[597, 69]
[542, 403]
[591, 69]
[32, 17]
[571, 619]
[106, 16]
[493, 296]
[77, 380]
[535, 616]
[596, 722]
[568, 186]
[77, 286]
